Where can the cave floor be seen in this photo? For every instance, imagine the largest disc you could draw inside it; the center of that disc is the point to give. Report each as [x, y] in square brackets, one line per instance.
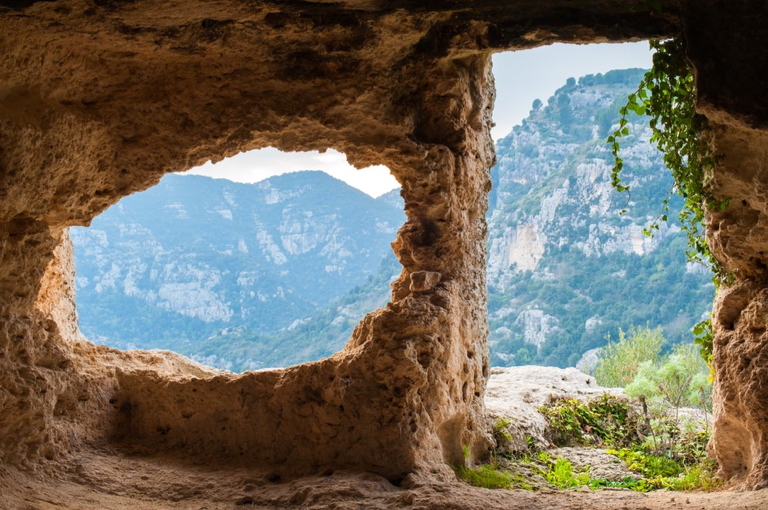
[115, 480]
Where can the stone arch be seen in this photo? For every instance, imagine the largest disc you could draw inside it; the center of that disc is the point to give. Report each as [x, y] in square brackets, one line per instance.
[100, 99]
[100, 136]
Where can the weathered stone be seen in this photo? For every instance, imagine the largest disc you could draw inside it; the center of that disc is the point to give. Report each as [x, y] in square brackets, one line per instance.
[100, 99]
[732, 96]
[422, 281]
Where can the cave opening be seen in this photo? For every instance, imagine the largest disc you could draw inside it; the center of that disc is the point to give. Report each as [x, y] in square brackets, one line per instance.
[100, 102]
[248, 264]
[540, 308]
[566, 271]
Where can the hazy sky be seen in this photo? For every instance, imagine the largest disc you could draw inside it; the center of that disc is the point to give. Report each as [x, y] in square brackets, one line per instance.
[521, 77]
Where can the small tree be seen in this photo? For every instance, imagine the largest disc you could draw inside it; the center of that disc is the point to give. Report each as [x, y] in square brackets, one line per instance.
[679, 380]
[619, 361]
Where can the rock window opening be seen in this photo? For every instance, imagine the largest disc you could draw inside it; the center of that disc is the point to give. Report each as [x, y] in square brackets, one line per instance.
[564, 268]
[241, 275]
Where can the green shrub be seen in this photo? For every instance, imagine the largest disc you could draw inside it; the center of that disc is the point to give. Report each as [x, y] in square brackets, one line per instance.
[699, 476]
[691, 448]
[560, 473]
[628, 483]
[679, 380]
[666, 473]
[650, 466]
[607, 419]
[619, 361]
[491, 476]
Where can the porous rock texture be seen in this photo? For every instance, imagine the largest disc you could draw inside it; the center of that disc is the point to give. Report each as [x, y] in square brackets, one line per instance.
[100, 98]
[731, 93]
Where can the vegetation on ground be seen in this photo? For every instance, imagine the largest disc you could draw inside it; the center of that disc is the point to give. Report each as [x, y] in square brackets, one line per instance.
[606, 420]
[661, 434]
[489, 476]
[560, 473]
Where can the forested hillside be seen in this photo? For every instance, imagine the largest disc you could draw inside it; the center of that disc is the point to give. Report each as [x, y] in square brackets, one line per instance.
[565, 268]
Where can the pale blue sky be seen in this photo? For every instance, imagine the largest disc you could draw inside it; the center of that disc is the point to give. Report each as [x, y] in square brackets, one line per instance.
[524, 76]
[521, 77]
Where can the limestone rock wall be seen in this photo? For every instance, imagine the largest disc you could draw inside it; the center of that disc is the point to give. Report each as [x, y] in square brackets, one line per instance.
[732, 95]
[739, 237]
[100, 99]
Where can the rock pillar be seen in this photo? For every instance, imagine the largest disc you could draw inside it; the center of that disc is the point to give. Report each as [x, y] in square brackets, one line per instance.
[731, 88]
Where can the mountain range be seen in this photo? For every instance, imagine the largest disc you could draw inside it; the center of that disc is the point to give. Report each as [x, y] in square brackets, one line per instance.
[194, 257]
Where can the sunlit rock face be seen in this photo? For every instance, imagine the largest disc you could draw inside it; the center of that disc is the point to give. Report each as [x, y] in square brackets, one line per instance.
[100, 99]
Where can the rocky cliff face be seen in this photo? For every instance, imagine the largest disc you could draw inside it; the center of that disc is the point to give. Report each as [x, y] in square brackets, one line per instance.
[553, 185]
[565, 267]
[100, 99]
[737, 236]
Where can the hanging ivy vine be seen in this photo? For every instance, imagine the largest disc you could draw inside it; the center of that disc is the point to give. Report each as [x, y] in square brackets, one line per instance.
[667, 95]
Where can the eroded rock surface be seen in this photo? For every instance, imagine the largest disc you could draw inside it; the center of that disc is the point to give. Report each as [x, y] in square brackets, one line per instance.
[100, 99]
[737, 236]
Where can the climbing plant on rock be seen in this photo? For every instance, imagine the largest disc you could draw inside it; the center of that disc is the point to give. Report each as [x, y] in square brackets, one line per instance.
[667, 95]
